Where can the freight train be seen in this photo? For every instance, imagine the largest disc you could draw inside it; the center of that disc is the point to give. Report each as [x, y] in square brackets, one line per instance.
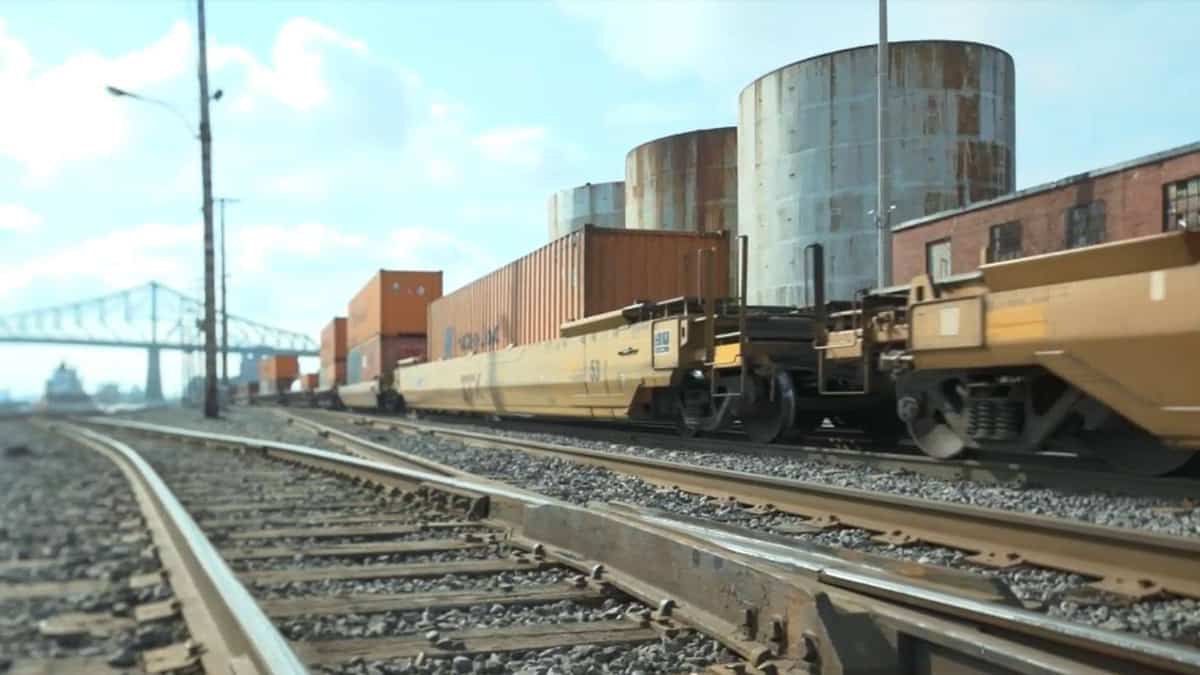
[1089, 351]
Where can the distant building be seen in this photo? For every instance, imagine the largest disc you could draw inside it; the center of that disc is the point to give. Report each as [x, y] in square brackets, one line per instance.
[1148, 195]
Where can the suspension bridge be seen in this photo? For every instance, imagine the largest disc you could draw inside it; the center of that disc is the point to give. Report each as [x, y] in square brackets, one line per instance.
[152, 317]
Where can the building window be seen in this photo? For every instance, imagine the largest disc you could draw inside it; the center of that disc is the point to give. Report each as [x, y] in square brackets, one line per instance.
[1085, 224]
[1004, 241]
[937, 259]
[1182, 200]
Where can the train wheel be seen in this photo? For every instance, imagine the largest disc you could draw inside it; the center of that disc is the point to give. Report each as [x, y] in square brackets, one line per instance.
[933, 412]
[1129, 449]
[771, 416]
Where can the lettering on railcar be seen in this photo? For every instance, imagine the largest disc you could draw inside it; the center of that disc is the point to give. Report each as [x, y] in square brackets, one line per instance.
[662, 342]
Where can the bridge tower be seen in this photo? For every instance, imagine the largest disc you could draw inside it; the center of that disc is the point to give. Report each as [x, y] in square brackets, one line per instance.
[153, 377]
[153, 374]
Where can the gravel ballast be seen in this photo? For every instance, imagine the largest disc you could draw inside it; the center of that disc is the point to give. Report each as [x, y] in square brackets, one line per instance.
[73, 509]
[1055, 593]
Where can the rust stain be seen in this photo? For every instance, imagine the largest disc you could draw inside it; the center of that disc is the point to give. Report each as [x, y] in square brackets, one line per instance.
[686, 182]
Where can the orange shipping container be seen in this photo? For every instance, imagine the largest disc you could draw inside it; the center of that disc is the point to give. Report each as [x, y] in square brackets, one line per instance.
[586, 272]
[333, 341]
[278, 367]
[392, 303]
[308, 382]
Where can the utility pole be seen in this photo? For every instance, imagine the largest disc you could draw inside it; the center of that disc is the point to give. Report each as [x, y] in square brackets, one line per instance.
[882, 213]
[224, 298]
[210, 329]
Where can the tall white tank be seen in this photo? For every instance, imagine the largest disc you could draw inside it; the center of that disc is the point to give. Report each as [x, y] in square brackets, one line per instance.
[599, 204]
[806, 156]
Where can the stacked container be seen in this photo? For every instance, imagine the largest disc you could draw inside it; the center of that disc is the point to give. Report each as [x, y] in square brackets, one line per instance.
[581, 274]
[333, 353]
[387, 322]
[276, 373]
[308, 382]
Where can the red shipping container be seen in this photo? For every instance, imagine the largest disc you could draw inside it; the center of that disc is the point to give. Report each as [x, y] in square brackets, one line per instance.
[377, 356]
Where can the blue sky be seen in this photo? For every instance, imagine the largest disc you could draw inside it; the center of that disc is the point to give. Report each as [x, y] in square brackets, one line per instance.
[364, 134]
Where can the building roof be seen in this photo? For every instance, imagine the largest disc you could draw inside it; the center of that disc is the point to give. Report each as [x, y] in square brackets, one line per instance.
[1053, 185]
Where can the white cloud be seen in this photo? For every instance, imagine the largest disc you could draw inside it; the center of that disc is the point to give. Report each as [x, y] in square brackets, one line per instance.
[171, 254]
[61, 114]
[521, 146]
[119, 259]
[296, 74]
[252, 245]
[18, 218]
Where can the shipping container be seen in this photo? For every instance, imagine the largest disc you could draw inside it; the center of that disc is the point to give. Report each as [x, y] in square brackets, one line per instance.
[379, 355]
[308, 381]
[277, 372]
[333, 341]
[587, 272]
[392, 303]
[278, 367]
[333, 374]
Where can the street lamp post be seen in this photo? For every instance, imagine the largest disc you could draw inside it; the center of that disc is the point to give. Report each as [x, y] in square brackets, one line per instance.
[205, 136]
[883, 223]
[210, 327]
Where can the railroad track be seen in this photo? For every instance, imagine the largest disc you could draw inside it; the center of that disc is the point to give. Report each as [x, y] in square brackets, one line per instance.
[132, 586]
[776, 605]
[1125, 562]
[848, 449]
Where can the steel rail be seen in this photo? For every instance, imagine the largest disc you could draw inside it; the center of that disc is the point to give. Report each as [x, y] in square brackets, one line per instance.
[1129, 562]
[1040, 470]
[738, 564]
[232, 633]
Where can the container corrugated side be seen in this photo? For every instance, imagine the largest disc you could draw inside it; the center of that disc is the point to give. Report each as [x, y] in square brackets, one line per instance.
[519, 303]
[333, 341]
[591, 271]
[625, 266]
[379, 355]
[393, 302]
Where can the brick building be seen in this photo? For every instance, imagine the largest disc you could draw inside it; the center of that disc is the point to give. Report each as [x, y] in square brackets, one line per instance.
[1140, 197]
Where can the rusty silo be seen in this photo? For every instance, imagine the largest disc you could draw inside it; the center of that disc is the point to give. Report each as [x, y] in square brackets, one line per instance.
[599, 204]
[683, 182]
[806, 155]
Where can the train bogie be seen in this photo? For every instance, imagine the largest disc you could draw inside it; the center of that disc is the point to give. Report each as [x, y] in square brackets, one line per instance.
[1092, 350]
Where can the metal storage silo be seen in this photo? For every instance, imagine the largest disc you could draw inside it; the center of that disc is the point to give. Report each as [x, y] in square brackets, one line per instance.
[683, 182]
[599, 204]
[806, 155]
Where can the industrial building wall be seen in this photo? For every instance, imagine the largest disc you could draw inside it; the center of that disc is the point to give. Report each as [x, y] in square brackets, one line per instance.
[1133, 205]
